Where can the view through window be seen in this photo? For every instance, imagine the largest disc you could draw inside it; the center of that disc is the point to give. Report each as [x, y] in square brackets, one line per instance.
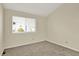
[22, 24]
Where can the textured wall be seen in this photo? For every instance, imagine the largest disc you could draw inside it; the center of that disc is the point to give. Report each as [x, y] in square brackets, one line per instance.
[13, 40]
[63, 26]
[1, 29]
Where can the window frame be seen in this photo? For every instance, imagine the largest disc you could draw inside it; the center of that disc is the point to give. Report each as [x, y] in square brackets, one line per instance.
[25, 30]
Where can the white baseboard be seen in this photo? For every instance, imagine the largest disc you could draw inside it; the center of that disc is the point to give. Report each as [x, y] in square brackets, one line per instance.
[1, 52]
[23, 44]
[64, 46]
[40, 41]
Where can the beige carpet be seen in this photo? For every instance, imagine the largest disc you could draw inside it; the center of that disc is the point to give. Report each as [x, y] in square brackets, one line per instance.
[44, 48]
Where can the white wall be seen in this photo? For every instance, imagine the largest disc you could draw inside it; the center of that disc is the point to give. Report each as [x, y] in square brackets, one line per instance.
[1, 29]
[13, 40]
[63, 26]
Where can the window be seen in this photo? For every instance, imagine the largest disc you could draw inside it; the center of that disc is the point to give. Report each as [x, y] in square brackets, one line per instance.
[21, 24]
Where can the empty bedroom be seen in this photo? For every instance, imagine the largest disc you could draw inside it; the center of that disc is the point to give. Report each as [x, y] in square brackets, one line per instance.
[39, 29]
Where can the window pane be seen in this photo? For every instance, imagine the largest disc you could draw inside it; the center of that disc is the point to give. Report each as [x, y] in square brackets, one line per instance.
[30, 25]
[21, 24]
[18, 24]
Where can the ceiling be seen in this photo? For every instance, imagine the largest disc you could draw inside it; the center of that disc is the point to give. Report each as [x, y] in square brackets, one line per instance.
[41, 9]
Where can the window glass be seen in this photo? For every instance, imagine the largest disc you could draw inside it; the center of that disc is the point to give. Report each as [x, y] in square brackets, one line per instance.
[21, 24]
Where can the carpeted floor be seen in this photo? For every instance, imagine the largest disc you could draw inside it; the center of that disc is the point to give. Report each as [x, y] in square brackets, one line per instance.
[44, 48]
